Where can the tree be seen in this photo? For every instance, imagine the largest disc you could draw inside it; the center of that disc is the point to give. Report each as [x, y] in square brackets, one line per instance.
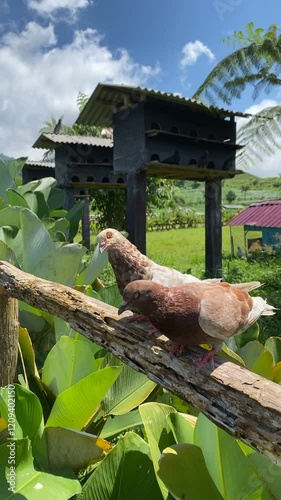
[230, 196]
[256, 63]
[244, 190]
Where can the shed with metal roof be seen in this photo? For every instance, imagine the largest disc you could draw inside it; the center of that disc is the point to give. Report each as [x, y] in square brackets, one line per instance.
[264, 216]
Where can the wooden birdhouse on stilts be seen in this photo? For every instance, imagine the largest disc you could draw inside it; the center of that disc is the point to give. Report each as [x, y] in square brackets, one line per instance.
[167, 136]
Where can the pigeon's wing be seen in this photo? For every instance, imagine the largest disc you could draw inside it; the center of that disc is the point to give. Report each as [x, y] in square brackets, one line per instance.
[169, 277]
[224, 311]
[248, 286]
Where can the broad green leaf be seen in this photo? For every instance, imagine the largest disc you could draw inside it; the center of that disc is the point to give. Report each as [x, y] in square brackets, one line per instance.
[56, 201]
[75, 407]
[252, 333]
[42, 258]
[16, 199]
[228, 467]
[182, 427]
[4, 251]
[27, 351]
[126, 473]
[130, 390]
[6, 181]
[268, 473]
[16, 166]
[67, 362]
[10, 216]
[257, 359]
[183, 470]
[74, 449]
[120, 423]
[159, 434]
[273, 345]
[277, 373]
[24, 408]
[30, 483]
[94, 268]
[74, 216]
[42, 207]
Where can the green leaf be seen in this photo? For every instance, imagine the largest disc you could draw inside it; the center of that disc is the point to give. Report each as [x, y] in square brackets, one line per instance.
[16, 199]
[268, 473]
[67, 362]
[130, 390]
[257, 359]
[74, 449]
[183, 470]
[10, 216]
[74, 216]
[6, 181]
[76, 406]
[94, 268]
[182, 427]
[25, 409]
[120, 423]
[229, 468]
[31, 483]
[273, 345]
[159, 434]
[252, 333]
[126, 473]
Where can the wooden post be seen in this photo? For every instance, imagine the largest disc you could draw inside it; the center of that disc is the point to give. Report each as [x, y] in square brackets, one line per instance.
[9, 328]
[86, 221]
[231, 243]
[213, 229]
[136, 209]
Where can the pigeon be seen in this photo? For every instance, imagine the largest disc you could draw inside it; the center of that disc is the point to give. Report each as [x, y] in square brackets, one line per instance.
[196, 313]
[129, 264]
[58, 127]
[172, 160]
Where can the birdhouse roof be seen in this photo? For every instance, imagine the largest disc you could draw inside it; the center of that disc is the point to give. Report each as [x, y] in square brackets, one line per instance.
[39, 164]
[51, 141]
[261, 214]
[109, 98]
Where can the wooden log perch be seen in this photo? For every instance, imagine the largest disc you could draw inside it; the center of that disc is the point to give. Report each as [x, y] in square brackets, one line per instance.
[9, 333]
[244, 404]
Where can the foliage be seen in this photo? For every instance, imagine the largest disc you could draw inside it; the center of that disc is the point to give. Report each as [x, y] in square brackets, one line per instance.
[256, 63]
[230, 196]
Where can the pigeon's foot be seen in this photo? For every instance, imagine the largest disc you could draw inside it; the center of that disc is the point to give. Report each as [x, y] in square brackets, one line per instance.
[177, 348]
[204, 359]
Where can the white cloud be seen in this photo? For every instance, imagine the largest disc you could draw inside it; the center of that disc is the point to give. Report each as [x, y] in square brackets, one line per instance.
[192, 51]
[42, 79]
[269, 167]
[48, 7]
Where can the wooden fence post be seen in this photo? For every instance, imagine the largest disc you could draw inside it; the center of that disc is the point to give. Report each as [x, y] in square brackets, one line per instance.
[9, 328]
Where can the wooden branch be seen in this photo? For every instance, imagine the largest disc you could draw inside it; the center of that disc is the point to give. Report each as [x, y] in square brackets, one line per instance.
[244, 404]
[9, 333]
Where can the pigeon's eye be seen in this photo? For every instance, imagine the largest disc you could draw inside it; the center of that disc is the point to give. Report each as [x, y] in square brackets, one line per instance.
[109, 235]
[136, 295]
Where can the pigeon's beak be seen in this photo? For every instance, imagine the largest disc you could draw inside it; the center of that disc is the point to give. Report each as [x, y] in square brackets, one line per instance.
[102, 247]
[123, 307]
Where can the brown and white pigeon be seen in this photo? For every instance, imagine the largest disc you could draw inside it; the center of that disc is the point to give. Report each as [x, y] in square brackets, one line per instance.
[129, 264]
[196, 313]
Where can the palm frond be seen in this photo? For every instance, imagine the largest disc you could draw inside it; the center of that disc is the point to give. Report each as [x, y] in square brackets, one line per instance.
[261, 136]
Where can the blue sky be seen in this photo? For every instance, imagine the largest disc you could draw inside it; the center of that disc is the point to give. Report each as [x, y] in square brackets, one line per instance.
[51, 49]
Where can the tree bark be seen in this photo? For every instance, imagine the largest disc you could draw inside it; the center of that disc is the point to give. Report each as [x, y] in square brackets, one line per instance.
[244, 404]
[9, 329]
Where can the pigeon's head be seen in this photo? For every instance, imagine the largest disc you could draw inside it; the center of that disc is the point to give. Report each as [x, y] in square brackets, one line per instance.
[109, 238]
[139, 295]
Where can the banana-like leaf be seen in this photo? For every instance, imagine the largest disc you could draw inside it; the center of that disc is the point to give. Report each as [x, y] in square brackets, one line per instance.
[273, 345]
[74, 449]
[159, 435]
[258, 359]
[129, 391]
[27, 482]
[7, 181]
[183, 470]
[94, 268]
[126, 473]
[16, 199]
[182, 427]
[68, 362]
[76, 406]
[121, 423]
[230, 469]
[27, 418]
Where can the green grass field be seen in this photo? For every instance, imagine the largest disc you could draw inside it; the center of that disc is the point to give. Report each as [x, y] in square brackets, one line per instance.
[184, 249]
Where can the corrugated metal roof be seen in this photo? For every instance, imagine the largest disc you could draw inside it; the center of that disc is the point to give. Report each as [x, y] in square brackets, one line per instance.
[43, 164]
[262, 214]
[106, 98]
[51, 141]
